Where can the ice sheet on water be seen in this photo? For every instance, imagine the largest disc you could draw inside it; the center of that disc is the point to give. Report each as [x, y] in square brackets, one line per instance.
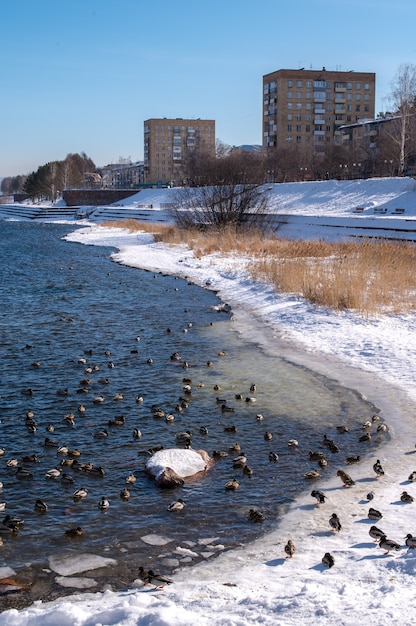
[76, 583]
[5, 572]
[75, 563]
[156, 540]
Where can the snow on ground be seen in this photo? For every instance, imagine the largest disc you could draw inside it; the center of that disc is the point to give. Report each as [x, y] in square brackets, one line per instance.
[256, 584]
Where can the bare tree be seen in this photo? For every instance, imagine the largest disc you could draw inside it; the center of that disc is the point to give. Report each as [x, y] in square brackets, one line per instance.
[403, 97]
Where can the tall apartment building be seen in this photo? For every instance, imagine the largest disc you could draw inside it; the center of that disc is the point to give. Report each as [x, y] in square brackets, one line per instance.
[307, 107]
[169, 142]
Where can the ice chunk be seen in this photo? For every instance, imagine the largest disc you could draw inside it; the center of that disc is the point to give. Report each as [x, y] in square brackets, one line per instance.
[77, 583]
[156, 540]
[183, 461]
[76, 563]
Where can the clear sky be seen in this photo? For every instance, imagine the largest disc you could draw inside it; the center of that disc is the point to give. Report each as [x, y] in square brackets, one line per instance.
[83, 75]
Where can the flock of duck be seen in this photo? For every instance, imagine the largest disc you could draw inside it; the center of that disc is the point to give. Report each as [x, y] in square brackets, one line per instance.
[70, 464]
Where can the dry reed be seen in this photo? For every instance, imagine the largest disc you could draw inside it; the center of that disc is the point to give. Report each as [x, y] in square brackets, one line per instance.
[369, 276]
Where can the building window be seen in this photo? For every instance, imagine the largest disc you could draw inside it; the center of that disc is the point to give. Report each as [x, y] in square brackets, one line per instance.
[289, 128]
[349, 96]
[308, 106]
[308, 128]
[367, 86]
[308, 95]
[298, 105]
[328, 118]
[289, 106]
[290, 83]
[358, 85]
[289, 116]
[308, 84]
[328, 129]
[298, 138]
[357, 107]
[308, 117]
[348, 118]
[349, 107]
[298, 128]
[289, 94]
[358, 96]
[299, 95]
[349, 85]
[366, 108]
[298, 117]
[299, 83]
[288, 138]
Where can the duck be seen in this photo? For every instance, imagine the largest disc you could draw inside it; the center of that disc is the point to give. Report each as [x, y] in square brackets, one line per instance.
[95, 470]
[240, 461]
[376, 533]
[30, 458]
[351, 460]
[312, 474]
[125, 494]
[256, 516]
[131, 478]
[382, 428]
[67, 479]
[235, 447]
[290, 549]
[316, 456]
[51, 443]
[117, 421]
[335, 523]
[176, 506]
[388, 545]
[328, 560]
[184, 438]
[232, 485]
[259, 417]
[374, 514]
[74, 532]
[410, 541]
[247, 471]
[370, 496]
[13, 523]
[203, 430]
[219, 454]
[118, 397]
[406, 497]
[98, 400]
[2, 506]
[41, 506]
[225, 408]
[365, 437]
[103, 504]
[137, 433]
[319, 496]
[156, 579]
[23, 473]
[268, 436]
[50, 428]
[12, 463]
[53, 473]
[101, 434]
[342, 429]
[273, 457]
[293, 443]
[230, 429]
[378, 469]
[80, 494]
[346, 478]
[62, 392]
[412, 477]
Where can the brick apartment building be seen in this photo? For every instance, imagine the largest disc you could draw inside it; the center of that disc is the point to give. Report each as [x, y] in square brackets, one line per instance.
[168, 143]
[307, 107]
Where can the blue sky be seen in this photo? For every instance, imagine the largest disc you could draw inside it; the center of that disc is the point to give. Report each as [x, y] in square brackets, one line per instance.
[83, 75]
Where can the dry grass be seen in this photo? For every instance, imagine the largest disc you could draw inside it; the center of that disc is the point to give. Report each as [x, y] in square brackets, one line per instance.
[369, 276]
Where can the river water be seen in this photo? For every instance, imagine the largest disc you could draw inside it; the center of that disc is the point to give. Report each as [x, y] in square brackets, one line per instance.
[75, 326]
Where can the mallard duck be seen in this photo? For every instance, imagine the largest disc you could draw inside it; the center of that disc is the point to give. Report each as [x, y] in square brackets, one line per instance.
[117, 421]
[316, 456]
[253, 387]
[256, 516]
[290, 549]
[378, 469]
[312, 474]
[319, 496]
[12, 463]
[410, 541]
[131, 478]
[51, 443]
[203, 430]
[406, 497]
[374, 514]
[412, 477]
[176, 506]
[273, 457]
[67, 479]
[23, 473]
[365, 437]
[232, 485]
[137, 433]
[125, 494]
[388, 544]
[219, 454]
[335, 523]
[235, 447]
[351, 460]
[247, 471]
[62, 392]
[230, 429]
[62, 450]
[342, 429]
[268, 436]
[41, 506]
[98, 400]
[328, 560]
[293, 443]
[74, 532]
[103, 504]
[239, 461]
[53, 473]
[382, 428]
[101, 434]
[118, 397]
[376, 533]
[2, 506]
[156, 579]
[346, 478]
[370, 496]
[80, 494]
[13, 523]
[227, 409]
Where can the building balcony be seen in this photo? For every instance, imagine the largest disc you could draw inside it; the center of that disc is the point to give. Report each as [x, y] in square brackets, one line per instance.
[318, 121]
[319, 133]
[340, 89]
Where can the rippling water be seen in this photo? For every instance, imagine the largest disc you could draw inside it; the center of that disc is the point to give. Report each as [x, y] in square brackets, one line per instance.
[62, 302]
